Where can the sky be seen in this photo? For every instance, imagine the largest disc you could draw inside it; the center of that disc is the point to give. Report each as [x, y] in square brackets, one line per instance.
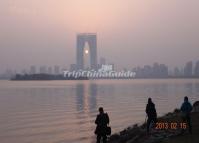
[129, 32]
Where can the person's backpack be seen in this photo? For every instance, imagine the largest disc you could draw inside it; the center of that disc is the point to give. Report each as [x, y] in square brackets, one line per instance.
[108, 128]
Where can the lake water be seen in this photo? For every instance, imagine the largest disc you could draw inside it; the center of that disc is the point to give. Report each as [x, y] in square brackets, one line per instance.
[65, 111]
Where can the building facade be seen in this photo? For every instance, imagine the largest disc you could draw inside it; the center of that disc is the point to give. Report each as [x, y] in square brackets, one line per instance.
[82, 39]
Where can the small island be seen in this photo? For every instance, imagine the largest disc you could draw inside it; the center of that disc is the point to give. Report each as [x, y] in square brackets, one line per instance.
[45, 77]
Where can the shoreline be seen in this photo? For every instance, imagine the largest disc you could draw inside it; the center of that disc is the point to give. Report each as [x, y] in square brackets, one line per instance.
[178, 78]
[137, 133]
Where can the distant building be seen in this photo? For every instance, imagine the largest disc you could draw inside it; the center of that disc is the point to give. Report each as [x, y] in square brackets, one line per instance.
[73, 67]
[164, 72]
[9, 73]
[49, 70]
[102, 61]
[188, 69]
[99, 66]
[177, 72]
[43, 70]
[147, 71]
[155, 71]
[91, 39]
[24, 71]
[33, 70]
[138, 71]
[160, 70]
[196, 70]
[56, 70]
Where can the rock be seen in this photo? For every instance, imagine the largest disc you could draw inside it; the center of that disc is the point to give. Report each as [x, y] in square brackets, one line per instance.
[133, 139]
[137, 133]
[176, 111]
[114, 137]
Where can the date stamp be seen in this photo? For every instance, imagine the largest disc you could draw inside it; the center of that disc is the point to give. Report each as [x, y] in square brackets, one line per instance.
[170, 125]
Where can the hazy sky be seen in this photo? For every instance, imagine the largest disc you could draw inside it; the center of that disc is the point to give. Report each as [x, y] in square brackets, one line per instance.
[130, 32]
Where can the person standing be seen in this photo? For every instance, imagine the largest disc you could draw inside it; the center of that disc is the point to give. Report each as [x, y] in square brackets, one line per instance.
[186, 109]
[101, 121]
[151, 113]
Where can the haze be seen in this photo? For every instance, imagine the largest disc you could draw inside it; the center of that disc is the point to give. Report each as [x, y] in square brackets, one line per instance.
[130, 32]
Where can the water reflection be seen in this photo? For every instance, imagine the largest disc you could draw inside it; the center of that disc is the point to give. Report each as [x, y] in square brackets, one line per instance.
[197, 90]
[189, 89]
[80, 93]
[86, 102]
[64, 111]
[161, 89]
[86, 97]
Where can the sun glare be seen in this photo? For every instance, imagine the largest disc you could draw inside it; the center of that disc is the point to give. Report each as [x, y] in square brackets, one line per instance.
[86, 51]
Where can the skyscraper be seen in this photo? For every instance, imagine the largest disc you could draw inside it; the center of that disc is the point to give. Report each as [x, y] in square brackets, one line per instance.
[56, 70]
[32, 70]
[91, 39]
[72, 67]
[49, 70]
[188, 69]
[43, 70]
[196, 70]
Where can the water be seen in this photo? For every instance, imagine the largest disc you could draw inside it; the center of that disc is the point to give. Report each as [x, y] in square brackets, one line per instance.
[65, 111]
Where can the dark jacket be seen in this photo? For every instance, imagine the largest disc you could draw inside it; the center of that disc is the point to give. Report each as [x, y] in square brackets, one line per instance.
[150, 110]
[101, 121]
[186, 107]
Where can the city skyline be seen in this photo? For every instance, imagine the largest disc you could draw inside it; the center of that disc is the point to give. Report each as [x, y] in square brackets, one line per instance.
[130, 33]
[156, 70]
